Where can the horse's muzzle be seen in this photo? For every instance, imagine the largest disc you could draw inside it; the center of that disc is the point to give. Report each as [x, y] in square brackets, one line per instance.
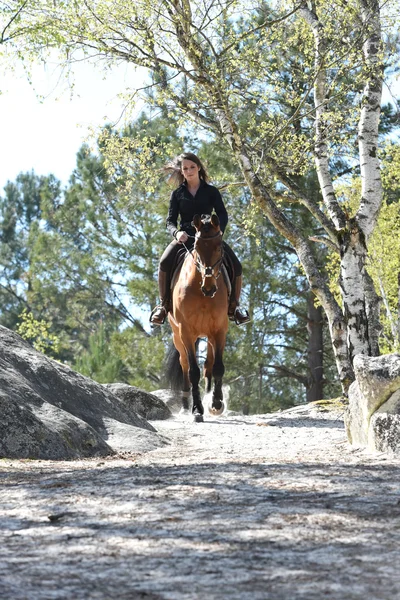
[210, 293]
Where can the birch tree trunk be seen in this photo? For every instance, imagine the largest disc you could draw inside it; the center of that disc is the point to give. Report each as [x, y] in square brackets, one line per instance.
[360, 304]
[360, 301]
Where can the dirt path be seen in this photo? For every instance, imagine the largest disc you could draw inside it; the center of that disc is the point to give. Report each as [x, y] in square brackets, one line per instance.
[266, 507]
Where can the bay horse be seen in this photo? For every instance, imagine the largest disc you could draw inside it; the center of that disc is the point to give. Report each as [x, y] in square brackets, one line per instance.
[200, 309]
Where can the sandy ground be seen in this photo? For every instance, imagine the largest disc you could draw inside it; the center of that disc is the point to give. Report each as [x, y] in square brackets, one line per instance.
[263, 507]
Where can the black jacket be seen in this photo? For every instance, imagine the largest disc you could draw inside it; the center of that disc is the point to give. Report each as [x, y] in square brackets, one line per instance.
[182, 204]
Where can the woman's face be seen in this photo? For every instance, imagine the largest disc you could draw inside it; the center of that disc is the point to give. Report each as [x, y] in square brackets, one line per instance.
[190, 171]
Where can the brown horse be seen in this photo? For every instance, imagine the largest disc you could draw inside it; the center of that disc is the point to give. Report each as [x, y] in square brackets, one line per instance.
[200, 309]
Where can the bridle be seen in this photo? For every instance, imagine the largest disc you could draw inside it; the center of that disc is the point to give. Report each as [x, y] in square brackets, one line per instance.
[205, 270]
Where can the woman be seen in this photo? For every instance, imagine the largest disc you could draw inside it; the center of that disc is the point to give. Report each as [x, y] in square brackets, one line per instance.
[193, 196]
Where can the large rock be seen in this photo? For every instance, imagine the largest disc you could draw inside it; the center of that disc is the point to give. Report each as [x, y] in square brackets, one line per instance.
[48, 411]
[372, 417]
[148, 406]
[384, 428]
[171, 398]
[355, 419]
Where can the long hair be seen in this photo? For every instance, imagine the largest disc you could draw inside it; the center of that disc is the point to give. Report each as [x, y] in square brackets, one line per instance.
[173, 168]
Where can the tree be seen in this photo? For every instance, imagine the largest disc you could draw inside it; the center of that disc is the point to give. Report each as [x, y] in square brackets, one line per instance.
[37, 333]
[20, 213]
[276, 362]
[383, 262]
[99, 362]
[212, 67]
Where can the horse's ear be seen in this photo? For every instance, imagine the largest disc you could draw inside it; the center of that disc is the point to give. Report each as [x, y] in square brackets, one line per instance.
[215, 220]
[197, 221]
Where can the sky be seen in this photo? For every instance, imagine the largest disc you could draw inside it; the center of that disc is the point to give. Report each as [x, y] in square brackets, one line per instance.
[46, 135]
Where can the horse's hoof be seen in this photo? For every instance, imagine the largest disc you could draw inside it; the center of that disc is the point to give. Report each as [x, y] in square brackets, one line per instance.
[216, 412]
[198, 418]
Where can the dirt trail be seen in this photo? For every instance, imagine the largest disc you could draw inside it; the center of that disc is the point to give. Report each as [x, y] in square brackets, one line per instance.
[272, 507]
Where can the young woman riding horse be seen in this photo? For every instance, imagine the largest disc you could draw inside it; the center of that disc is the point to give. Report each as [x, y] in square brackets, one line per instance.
[200, 310]
[194, 196]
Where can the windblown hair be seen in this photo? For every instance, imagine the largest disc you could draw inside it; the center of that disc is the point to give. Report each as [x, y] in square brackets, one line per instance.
[173, 168]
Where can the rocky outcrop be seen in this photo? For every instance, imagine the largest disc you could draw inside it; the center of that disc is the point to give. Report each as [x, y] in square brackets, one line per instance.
[148, 406]
[171, 398]
[49, 411]
[373, 415]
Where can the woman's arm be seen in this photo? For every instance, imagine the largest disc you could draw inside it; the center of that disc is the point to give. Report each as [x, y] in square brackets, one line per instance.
[173, 213]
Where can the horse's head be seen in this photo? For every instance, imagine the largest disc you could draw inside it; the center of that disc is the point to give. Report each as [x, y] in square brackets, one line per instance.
[209, 249]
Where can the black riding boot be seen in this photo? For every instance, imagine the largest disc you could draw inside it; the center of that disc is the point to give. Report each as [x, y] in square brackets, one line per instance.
[159, 313]
[234, 313]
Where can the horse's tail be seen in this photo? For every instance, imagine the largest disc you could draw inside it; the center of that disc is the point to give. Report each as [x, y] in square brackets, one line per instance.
[173, 369]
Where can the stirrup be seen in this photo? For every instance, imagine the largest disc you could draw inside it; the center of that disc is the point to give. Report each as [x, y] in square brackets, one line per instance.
[243, 320]
[161, 317]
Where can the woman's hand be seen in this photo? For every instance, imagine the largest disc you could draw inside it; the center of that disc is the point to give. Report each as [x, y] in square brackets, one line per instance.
[181, 237]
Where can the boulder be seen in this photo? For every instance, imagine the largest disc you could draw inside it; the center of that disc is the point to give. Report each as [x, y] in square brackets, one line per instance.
[148, 406]
[384, 428]
[378, 377]
[356, 422]
[171, 398]
[48, 411]
[372, 416]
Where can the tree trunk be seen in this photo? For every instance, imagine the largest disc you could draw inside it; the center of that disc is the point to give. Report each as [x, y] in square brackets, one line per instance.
[357, 290]
[398, 308]
[353, 254]
[315, 389]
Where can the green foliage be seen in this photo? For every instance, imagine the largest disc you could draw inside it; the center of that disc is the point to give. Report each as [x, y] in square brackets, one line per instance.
[37, 332]
[142, 355]
[384, 267]
[383, 248]
[226, 66]
[127, 356]
[99, 362]
[20, 215]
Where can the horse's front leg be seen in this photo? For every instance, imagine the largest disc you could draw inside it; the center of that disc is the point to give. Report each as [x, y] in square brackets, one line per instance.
[194, 376]
[217, 405]
[184, 363]
[208, 367]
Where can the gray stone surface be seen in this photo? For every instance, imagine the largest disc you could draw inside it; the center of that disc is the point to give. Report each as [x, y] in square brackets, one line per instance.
[384, 427]
[356, 420]
[267, 507]
[30, 430]
[378, 377]
[50, 411]
[171, 398]
[372, 416]
[148, 406]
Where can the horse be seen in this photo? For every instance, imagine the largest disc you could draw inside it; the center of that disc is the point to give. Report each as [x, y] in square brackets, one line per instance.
[200, 310]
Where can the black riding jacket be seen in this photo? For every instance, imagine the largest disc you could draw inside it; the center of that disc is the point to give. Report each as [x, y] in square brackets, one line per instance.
[182, 204]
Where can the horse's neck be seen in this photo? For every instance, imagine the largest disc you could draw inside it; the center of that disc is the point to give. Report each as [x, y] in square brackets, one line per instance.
[190, 266]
